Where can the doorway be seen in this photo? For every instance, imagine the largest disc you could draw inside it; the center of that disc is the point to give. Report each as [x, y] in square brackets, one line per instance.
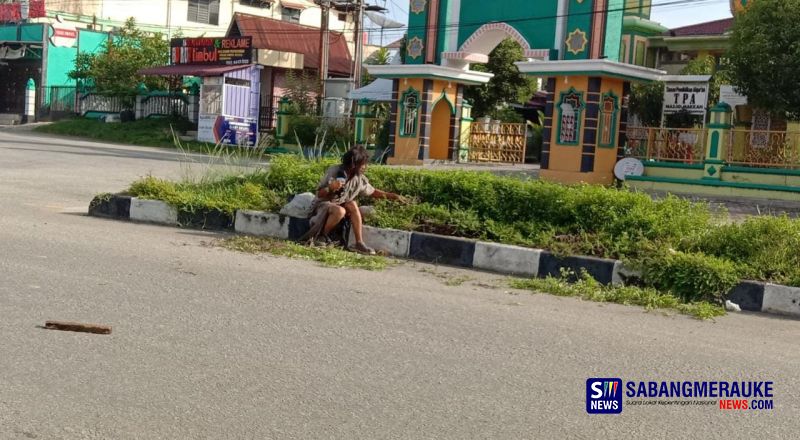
[440, 130]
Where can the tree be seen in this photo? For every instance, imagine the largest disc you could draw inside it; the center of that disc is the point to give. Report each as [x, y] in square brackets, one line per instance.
[764, 55]
[380, 57]
[508, 85]
[115, 69]
[707, 65]
[302, 89]
[646, 102]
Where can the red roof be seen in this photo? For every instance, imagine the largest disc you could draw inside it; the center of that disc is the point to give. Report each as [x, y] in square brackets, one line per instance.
[716, 27]
[283, 36]
[190, 70]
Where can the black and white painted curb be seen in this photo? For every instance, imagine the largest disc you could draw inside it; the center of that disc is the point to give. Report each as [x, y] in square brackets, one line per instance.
[438, 249]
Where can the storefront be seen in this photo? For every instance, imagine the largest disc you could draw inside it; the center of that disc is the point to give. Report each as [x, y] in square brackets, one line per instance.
[229, 91]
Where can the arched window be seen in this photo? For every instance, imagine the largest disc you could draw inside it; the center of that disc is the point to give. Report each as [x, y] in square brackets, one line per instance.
[609, 107]
[570, 108]
[409, 113]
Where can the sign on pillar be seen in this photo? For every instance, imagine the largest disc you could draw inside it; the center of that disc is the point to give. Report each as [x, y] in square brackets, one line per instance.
[30, 102]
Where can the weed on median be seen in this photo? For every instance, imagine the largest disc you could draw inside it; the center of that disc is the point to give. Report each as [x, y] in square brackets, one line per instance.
[587, 288]
[327, 256]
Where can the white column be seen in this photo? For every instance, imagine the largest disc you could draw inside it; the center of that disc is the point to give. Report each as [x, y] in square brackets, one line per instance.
[561, 27]
[30, 102]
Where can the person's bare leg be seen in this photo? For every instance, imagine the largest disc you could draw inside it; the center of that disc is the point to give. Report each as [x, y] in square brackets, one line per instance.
[335, 215]
[355, 220]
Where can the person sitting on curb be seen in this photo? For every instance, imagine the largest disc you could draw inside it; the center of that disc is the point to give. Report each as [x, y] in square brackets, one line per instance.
[336, 198]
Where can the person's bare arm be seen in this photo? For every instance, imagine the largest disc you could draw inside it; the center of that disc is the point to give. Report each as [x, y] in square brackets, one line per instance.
[378, 194]
[327, 192]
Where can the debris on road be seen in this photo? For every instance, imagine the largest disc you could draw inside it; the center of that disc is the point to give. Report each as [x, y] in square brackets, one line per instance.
[78, 327]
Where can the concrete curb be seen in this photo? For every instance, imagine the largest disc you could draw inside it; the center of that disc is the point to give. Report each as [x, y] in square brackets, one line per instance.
[386, 241]
[509, 259]
[439, 249]
[118, 207]
[153, 211]
[504, 259]
[262, 224]
[781, 300]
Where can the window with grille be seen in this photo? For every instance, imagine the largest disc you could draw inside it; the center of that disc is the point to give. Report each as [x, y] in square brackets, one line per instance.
[569, 120]
[211, 99]
[290, 14]
[265, 4]
[203, 11]
[409, 113]
[609, 106]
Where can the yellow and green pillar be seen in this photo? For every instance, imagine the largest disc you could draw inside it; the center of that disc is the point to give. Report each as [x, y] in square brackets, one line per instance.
[282, 124]
[466, 130]
[718, 128]
[363, 114]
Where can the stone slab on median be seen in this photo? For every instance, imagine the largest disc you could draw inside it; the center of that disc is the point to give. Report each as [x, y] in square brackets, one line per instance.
[514, 260]
[600, 269]
[111, 207]
[386, 241]
[264, 224]
[153, 211]
[749, 295]
[442, 250]
[782, 300]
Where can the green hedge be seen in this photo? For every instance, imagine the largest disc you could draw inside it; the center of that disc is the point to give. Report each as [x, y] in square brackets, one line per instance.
[709, 258]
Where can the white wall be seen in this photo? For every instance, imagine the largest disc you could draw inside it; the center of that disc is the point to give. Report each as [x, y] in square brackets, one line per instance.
[159, 15]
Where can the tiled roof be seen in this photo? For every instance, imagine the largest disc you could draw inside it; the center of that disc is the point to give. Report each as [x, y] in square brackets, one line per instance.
[283, 36]
[709, 28]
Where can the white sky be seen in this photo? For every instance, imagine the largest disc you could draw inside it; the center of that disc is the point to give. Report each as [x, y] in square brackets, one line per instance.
[669, 15]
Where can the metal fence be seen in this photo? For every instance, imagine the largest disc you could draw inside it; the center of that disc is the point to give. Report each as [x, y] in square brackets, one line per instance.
[497, 143]
[685, 145]
[268, 112]
[56, 102]
[757, 148]
[172, 104]
[100, 103]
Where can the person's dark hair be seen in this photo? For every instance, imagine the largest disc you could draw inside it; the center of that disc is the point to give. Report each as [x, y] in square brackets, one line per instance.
[353, 159]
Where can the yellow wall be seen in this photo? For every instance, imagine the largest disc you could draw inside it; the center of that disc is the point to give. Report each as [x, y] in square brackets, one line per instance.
[605, 158]
[565, 160]
[406, 149]
[567, 157]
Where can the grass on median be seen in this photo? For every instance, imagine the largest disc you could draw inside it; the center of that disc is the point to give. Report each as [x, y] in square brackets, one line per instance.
[587, 288]
[143, 132]
[327, 256]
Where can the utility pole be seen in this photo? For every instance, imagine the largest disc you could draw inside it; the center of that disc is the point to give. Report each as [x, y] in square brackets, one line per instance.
[359, 44]
[324, 46]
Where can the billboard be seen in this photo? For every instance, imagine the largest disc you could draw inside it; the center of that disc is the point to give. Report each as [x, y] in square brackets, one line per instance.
[212, 51]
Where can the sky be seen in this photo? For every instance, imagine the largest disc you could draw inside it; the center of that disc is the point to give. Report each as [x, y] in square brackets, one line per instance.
[664, 11]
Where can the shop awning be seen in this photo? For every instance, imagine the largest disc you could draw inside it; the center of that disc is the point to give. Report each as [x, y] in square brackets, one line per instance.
[297, 4]
[378, 90]
[190, 70]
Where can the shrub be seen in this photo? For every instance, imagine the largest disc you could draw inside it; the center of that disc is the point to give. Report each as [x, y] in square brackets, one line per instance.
[766, 247]
[692, 277]
[305, 128]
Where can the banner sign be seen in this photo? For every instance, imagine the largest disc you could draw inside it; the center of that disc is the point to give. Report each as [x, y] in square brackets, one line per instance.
[14, 12]
[689, 96]
[212, 51]
[731, 96]
[64, 35]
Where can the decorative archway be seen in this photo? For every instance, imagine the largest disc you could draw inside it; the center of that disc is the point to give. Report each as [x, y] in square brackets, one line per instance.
[477, 47]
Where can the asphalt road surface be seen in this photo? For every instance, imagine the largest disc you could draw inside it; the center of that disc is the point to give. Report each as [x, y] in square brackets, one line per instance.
[213, 344]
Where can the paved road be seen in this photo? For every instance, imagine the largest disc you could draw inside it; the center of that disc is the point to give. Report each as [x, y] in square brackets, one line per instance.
[211, 344]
